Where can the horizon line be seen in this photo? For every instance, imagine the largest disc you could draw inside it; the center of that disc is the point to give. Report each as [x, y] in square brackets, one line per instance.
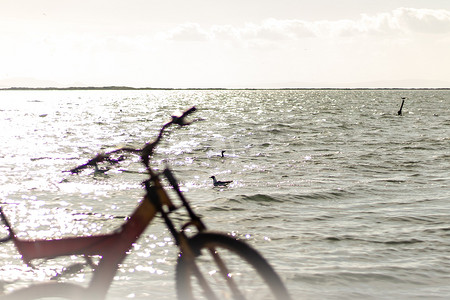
[113, 87]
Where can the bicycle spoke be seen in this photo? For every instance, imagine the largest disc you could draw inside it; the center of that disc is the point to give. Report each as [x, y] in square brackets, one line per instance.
[226, 274]
[202, 282]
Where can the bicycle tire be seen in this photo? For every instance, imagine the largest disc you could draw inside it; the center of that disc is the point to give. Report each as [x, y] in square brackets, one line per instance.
[236, 256]
[61, 290]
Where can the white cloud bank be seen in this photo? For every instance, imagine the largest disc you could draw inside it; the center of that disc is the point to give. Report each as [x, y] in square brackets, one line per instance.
[405, 43]
[399, 22]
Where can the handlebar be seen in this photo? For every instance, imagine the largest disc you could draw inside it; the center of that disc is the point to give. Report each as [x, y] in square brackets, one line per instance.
[146, 152]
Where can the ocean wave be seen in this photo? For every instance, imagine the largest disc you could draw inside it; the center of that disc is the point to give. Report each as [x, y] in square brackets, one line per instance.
[294, 198]
[326, 195]
[350, 278]
[373, 241]
[259, 198]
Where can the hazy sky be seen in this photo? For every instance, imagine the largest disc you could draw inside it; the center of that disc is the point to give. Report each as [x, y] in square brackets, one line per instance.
[233, 43]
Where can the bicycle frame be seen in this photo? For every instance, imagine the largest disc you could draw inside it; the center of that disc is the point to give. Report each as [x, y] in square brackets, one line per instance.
[113, 247]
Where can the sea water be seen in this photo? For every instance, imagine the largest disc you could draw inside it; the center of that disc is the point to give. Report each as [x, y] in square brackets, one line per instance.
[345, 198]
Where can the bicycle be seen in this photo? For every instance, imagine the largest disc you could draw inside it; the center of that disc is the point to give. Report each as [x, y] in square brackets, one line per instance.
[210, 265]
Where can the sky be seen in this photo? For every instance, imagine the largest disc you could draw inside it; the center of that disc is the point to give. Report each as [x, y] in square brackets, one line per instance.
[225, 44]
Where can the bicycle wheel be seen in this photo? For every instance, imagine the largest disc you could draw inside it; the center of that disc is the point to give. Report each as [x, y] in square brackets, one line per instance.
[51, 290]
[226, 268]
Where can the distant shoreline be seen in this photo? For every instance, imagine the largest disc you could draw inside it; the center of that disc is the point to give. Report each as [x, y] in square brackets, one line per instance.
[126, 88]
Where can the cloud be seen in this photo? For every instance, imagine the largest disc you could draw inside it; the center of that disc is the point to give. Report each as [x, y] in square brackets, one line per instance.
[270, 29]
[273, 29]
[400, 21]
[423, 20]
[187, 32]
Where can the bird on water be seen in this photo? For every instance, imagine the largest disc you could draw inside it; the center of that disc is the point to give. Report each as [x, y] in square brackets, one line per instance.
[220, 183]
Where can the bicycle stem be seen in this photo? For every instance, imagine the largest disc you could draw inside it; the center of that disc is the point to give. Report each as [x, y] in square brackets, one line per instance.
[147, 151]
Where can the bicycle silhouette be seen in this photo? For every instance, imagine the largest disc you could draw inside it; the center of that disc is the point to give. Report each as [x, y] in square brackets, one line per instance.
[210, 265]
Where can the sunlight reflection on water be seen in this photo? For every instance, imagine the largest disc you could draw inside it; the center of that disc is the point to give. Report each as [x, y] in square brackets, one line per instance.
[324, 183]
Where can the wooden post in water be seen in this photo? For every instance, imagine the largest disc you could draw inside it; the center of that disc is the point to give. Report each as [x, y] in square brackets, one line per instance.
[401, 107]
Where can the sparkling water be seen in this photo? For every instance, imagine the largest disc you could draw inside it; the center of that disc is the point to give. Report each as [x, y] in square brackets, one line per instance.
[344, 197]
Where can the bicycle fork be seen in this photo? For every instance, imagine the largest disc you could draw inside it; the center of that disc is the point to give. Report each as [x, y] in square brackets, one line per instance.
[182, 241]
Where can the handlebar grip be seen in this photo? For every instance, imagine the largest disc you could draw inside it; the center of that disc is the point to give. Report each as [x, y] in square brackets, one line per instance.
[180, 120]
